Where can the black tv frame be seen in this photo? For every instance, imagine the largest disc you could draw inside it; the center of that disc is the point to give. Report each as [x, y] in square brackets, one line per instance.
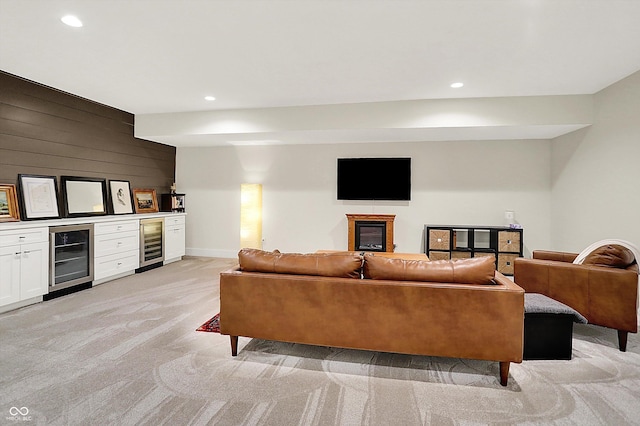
[384, 179]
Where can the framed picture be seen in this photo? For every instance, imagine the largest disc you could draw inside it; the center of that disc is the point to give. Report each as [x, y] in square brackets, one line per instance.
[120, 191]
[83, 196]
[38, 197]
[145, 200]
[8, 204]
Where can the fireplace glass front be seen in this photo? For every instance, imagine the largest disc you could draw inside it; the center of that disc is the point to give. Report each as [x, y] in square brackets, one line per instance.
[370, 236]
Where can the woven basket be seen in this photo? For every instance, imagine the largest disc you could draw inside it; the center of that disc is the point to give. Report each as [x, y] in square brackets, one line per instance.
[460, 254]
[438, 255]
[483, 254]
[439, 239]
[509, 241]
[505, 263]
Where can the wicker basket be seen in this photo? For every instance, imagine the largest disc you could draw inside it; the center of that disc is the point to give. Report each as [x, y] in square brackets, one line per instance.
[505, 263]
[438, 255]
[509, 241]
[439, 239]
[460, 254]
[484, 254]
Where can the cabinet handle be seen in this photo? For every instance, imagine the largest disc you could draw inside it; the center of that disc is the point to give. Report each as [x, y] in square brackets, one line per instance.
[26, 252]
[119, 227]
[22, 237]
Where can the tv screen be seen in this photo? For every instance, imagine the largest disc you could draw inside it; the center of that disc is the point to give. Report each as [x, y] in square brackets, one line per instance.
[374, 179]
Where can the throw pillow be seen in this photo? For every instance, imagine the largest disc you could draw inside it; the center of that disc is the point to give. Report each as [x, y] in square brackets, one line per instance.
[476, 270]
[339, 264]
[610, 255]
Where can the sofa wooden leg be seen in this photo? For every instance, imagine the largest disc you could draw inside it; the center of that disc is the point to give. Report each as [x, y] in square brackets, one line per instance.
[234, 345]
[622, 340]
[504, 372]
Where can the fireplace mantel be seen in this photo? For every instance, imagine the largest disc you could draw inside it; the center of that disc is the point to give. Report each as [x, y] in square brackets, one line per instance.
[387, 218]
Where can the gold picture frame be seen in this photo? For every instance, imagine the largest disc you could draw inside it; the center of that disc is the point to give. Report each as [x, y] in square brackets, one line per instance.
[9, 211]
[145, 200]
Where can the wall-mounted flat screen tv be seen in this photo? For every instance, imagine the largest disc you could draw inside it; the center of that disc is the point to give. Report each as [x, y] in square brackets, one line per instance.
[374, 179]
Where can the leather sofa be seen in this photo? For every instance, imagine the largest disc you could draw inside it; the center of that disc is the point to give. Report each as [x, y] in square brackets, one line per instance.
[459, 309]
[604, 288]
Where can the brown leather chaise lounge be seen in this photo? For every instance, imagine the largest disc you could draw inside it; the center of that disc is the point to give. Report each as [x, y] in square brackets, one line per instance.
[461, 309]
[604, 288]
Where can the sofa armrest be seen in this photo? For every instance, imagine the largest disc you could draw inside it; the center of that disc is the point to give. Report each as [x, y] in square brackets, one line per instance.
[605, 296]
[558, 256]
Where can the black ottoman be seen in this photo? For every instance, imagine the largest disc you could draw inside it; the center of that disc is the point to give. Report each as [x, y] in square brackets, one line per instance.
[548, 327]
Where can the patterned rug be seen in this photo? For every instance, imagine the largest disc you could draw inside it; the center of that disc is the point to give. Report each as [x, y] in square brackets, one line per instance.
[211, 326]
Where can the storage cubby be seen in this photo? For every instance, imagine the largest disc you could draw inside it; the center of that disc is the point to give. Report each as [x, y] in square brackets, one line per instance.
[503, 244]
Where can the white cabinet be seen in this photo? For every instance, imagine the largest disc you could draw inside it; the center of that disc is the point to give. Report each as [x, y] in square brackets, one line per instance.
[25, 252]
[9, 275]
[24, 265]
[174, 236]
[116, 248]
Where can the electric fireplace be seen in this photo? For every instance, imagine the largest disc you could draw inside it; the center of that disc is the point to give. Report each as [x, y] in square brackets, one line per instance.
[370, 232]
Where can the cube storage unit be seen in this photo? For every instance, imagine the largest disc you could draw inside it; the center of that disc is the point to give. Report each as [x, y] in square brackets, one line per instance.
[504, 244]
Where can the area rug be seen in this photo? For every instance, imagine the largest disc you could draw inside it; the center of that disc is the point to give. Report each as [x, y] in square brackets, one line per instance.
[211, 326]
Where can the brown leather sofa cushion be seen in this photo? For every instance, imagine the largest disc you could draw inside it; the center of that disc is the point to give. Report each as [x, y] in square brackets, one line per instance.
[611, 255]
[341, 265]
[476, 270]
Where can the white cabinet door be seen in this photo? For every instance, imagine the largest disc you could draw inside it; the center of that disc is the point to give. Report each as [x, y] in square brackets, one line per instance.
[9, 275]
[174, 242]
[34, 270]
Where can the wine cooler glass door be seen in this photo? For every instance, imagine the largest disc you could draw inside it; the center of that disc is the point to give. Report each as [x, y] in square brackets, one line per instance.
[71, 251]
[152, 246]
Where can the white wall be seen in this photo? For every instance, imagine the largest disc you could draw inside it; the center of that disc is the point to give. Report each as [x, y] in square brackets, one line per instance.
[466, 183]
[595, 187]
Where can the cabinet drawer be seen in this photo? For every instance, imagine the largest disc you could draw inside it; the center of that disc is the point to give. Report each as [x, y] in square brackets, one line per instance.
[33, 235]
[509, 241]
[108, 266]
[175, 229]
[174, 220]
[111, 227]
[116, 243]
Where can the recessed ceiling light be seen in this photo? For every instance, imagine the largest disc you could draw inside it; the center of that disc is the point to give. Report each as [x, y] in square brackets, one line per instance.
[210, 98]
[457, 85]
[71, 21]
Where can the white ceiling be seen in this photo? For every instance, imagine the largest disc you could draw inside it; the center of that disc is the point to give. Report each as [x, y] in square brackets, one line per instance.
[164, 56]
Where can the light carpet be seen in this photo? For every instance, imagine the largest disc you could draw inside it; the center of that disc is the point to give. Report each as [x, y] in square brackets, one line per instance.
[127, 353]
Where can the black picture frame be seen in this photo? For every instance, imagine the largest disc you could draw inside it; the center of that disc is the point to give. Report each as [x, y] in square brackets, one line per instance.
[120, 196]
[83, 196]
[38, 197]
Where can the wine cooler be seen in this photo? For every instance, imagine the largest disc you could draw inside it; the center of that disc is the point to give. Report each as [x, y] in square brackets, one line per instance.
[151, 242]
[71, 256]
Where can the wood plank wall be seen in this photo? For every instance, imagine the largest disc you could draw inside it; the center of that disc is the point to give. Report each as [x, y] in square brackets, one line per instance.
[45, 131]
